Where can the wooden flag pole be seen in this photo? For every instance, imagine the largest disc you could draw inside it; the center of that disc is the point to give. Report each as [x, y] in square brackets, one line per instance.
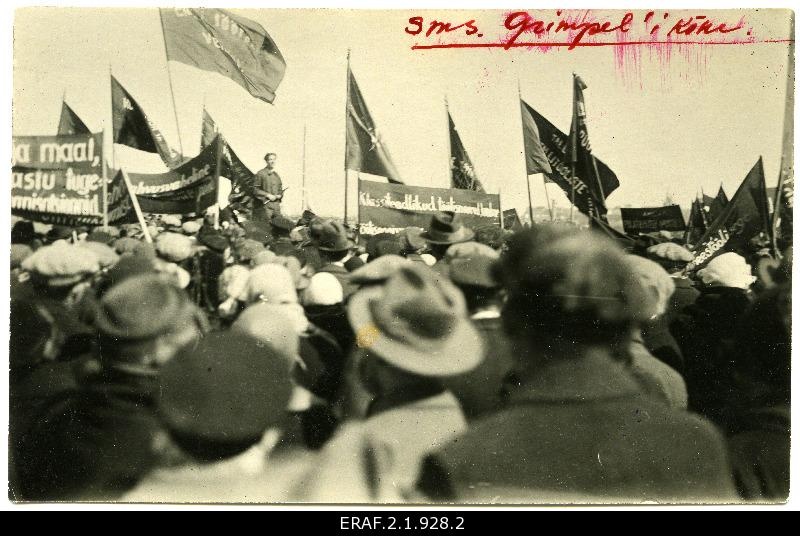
[105, 180]
[220, 150]
[137, 208]
[525, 162]
[169, 77]
[303, 191]
[346, 118]
[547, 197]
[113, 141]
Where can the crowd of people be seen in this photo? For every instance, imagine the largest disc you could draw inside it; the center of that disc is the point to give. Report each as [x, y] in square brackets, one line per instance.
[200, 360]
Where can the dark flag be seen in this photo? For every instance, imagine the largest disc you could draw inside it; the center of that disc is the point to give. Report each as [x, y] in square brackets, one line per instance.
[134, 129]
[535, 159]
[462, 172]
[580, 152]
[231, 166]
[70, 124]
[364, 149]
[697, 226]
[745, 217]
[554, 145]
[722, 197]
[220, 42]
[511, 220]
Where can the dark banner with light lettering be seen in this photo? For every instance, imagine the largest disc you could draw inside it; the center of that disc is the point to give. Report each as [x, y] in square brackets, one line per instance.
[390, 208]
[58, 179]
[651, 220]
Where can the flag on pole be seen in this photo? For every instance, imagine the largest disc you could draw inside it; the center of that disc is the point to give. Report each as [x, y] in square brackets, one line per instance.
[722, 197]
[365, 151]
[232, 166]
[535, 158]
[134, 129]
[218, 41]
[696, 227]
[462, 172]
[554, 144]
[581, 157]
[69, 123]
[745, 217]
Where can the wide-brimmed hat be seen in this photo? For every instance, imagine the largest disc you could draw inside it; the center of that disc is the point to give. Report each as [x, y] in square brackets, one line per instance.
[281, 222]
[446, 228]
[329, 235]
[416, 322]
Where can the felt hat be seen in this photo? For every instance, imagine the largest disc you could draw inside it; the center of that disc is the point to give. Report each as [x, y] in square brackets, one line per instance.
[329, 235]
[416, 322]
[446, 228]
[474, 271]
[229, 388]
[213, 241]
[378, 270]
[143, 307]
[281, 222]
[412, 239]
[384, 244]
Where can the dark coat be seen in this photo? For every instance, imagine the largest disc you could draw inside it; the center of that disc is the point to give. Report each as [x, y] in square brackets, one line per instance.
[92, 443]
[707, 334]
[481, 390]
[582, 428]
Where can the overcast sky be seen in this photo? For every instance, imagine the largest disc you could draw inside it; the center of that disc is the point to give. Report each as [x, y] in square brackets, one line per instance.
[671, 122]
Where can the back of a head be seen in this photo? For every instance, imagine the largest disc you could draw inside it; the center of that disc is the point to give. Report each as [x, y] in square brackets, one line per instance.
[219, 398]
[568, 288]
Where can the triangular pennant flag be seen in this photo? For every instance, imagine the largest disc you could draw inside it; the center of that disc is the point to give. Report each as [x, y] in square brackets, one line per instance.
[580, 153]
[69, 123]
[364, 149]
[745, 217]
[231, 166]
[462, 172]
[131, 127]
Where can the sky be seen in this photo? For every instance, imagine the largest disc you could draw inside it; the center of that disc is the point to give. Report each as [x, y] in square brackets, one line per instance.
[668, 122]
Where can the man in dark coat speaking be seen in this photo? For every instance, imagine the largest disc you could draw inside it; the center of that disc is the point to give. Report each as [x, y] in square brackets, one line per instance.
[267, 191]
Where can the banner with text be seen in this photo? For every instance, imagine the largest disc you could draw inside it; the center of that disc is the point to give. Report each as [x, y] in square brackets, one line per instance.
[390, 208]
[58, 179]
[652, 220]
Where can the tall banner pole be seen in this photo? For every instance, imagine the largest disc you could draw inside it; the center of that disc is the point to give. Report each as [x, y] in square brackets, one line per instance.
[105, 180]
[525, 163]
[220, 150]
[136, 207]
[169, 76]
[303, 191]
[500, 208]
[574, 148]
[547, 197]
[346, 119]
